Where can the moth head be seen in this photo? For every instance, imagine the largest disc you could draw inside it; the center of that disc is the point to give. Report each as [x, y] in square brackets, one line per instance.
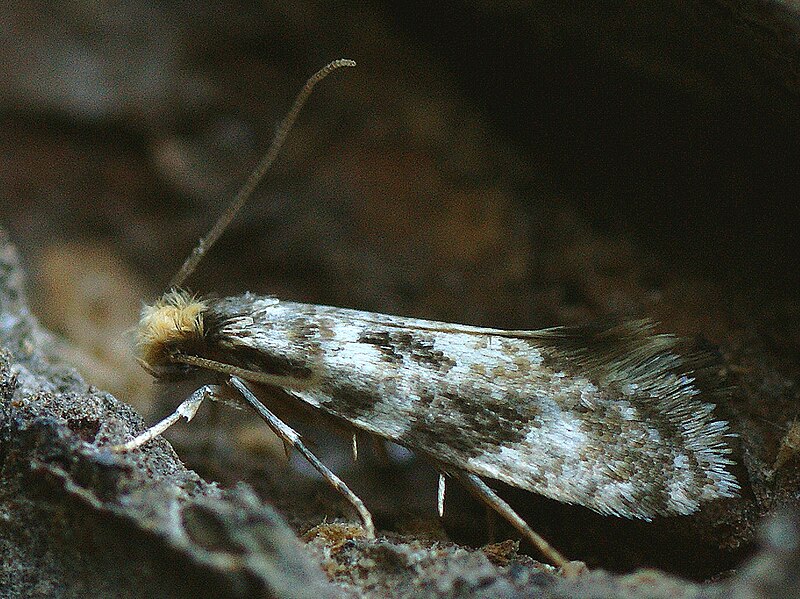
[172, 324]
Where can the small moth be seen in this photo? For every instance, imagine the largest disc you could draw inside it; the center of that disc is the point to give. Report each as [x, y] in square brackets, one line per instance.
[608, 418]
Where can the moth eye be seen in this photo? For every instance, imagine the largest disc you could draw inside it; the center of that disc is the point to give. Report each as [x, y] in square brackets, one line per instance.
[186, 368]
[172, 351]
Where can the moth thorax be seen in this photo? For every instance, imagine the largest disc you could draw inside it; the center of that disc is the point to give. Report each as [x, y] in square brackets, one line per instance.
[172, 323]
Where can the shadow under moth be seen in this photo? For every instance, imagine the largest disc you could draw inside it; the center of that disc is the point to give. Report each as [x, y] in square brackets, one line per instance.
[611, 418]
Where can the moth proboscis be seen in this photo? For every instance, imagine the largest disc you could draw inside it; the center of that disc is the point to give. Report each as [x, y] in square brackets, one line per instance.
[610, 418]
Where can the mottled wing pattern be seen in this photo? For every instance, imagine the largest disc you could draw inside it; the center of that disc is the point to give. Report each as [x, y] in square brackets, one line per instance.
[611, 419]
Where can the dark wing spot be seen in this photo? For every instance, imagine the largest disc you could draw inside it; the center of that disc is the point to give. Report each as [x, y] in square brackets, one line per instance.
[257, 360]
[382, 340]
[397, 346]
[464, 425]
[349, 401]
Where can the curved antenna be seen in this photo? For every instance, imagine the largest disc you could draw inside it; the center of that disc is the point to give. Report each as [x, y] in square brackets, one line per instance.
[258, 173]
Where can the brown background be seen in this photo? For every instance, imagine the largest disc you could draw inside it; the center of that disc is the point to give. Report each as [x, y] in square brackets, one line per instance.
[509, 165]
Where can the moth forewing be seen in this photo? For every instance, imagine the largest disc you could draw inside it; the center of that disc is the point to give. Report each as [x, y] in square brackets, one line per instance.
[610, 419]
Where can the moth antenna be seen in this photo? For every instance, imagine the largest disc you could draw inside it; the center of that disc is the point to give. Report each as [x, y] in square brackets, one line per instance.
[258, 173]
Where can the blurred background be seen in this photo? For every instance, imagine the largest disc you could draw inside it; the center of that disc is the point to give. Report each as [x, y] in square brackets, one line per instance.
[509, 164]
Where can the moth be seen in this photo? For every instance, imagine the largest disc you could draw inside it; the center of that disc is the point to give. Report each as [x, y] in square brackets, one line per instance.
[610, 418]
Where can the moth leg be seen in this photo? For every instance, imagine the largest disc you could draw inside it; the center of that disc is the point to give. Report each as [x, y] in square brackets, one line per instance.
[483, 492]
[491, 525]
[290, 436]
[188, 408]
[440, 495]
